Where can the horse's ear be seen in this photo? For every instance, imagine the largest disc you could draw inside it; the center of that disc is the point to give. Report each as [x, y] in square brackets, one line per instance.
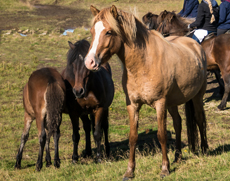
[71, 45]
[114, 12]
[94, 10]
[81, 57]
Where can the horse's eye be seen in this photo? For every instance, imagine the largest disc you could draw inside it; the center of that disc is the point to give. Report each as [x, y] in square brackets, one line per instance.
[108, 33]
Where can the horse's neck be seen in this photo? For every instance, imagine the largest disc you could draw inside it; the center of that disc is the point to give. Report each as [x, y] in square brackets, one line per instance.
[135, 58]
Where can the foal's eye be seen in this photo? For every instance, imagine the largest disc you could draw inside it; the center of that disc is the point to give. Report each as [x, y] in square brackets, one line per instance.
[108, 33]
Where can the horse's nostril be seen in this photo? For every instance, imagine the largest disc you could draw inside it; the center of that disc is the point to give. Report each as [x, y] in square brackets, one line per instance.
[78, 93]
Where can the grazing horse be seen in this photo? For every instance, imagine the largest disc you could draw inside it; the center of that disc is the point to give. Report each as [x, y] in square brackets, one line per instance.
[88, 93]
[43, 100]
[216, 49]
[158, 72]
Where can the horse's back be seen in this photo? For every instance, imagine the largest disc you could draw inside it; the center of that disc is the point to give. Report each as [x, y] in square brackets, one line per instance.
[186, 63]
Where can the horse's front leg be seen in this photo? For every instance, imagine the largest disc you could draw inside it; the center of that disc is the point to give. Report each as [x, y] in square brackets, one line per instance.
[97, 132]
[162, 135]
[87, 127]
[133, 110]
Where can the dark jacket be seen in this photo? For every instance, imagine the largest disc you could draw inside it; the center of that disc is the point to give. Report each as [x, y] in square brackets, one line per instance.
[189, 8]
[204, 16]
[224, 18]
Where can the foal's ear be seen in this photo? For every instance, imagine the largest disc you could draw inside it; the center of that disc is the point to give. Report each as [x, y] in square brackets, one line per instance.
[94, 10]
[113, 11]
[71, 45]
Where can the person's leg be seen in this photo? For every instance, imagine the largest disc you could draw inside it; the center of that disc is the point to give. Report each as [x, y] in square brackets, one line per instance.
[221, 31]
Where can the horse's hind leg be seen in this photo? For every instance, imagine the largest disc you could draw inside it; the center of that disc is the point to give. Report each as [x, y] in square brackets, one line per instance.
[48, 157]
[56, 137]
[105, 127]
[219, 80]
[200, 119]
[25, 135]
[87, 127]
[177, 127]
[223, 103]
[42, 140]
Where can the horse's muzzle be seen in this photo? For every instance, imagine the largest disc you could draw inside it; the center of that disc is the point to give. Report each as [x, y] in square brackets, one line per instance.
[79, 93]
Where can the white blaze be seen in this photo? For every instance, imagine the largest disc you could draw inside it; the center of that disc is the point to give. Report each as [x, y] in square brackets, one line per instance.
[99, 27]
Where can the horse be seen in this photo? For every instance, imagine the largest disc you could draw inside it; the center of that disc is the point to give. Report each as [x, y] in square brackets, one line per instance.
[150, 20]
[43, 100]
[88, 93]
[215, 47]
[152, 73]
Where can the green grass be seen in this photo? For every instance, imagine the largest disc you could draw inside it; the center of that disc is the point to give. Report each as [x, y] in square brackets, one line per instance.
[20, 56]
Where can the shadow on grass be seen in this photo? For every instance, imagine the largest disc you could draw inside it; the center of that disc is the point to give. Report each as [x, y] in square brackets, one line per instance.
[220, 149]
[147, 144]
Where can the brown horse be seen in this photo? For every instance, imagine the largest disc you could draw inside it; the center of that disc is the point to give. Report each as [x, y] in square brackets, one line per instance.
[88, 93]
[216, 49]
[153, 69]
[43, 100]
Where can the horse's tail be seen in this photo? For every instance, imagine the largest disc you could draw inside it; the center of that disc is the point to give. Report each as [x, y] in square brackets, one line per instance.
[55, 97]
[192, 131]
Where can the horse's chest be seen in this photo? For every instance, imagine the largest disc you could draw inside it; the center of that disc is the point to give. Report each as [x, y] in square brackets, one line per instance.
[145, 91]
[89, 104]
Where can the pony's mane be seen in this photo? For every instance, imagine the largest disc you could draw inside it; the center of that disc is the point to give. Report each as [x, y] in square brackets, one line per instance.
[81, 48]
[168, 16]
[127, 28]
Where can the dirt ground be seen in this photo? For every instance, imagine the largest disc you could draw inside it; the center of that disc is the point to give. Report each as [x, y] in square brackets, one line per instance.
[65, 17]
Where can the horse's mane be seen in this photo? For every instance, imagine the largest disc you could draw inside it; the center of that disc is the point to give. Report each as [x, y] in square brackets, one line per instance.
[127, 26]
[81, 48]
[169, 17]
[172, 21]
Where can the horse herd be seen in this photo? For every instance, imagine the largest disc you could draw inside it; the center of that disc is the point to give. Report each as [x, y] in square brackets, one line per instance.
[160, 72]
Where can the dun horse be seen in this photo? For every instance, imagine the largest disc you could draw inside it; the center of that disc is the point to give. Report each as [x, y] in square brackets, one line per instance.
[216, 47]
[153, 69]
[44, 100]
[88, 93]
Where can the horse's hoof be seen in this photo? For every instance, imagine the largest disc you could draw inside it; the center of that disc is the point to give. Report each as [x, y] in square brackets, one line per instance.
[57, 163]
[98, 160]
[220, 107]
[48, 164]
[17, 166]
[38, 168]
[74, 161]
[164, 173]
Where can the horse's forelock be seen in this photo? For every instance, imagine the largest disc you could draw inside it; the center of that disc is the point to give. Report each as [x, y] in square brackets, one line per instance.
[125, 26]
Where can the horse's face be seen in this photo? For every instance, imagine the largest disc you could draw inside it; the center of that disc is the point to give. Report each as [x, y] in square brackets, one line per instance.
[150, 20]
[81, 74]
[105, 43]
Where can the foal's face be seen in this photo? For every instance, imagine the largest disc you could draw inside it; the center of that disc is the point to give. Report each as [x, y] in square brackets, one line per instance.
[105, 43]
[81, 77]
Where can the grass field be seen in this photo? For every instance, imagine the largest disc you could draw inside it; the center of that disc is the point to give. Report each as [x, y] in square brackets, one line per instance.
[44, 46]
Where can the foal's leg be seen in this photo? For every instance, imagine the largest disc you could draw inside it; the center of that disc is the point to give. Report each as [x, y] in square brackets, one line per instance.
[133, 110]
[97, 132]
[87, 127]
[226, 78]
[56, 137]
[76, 136]
[42, 140]
[48, 157]
[162, 135]
[105, 127]
[177, 127]
[25, 134]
